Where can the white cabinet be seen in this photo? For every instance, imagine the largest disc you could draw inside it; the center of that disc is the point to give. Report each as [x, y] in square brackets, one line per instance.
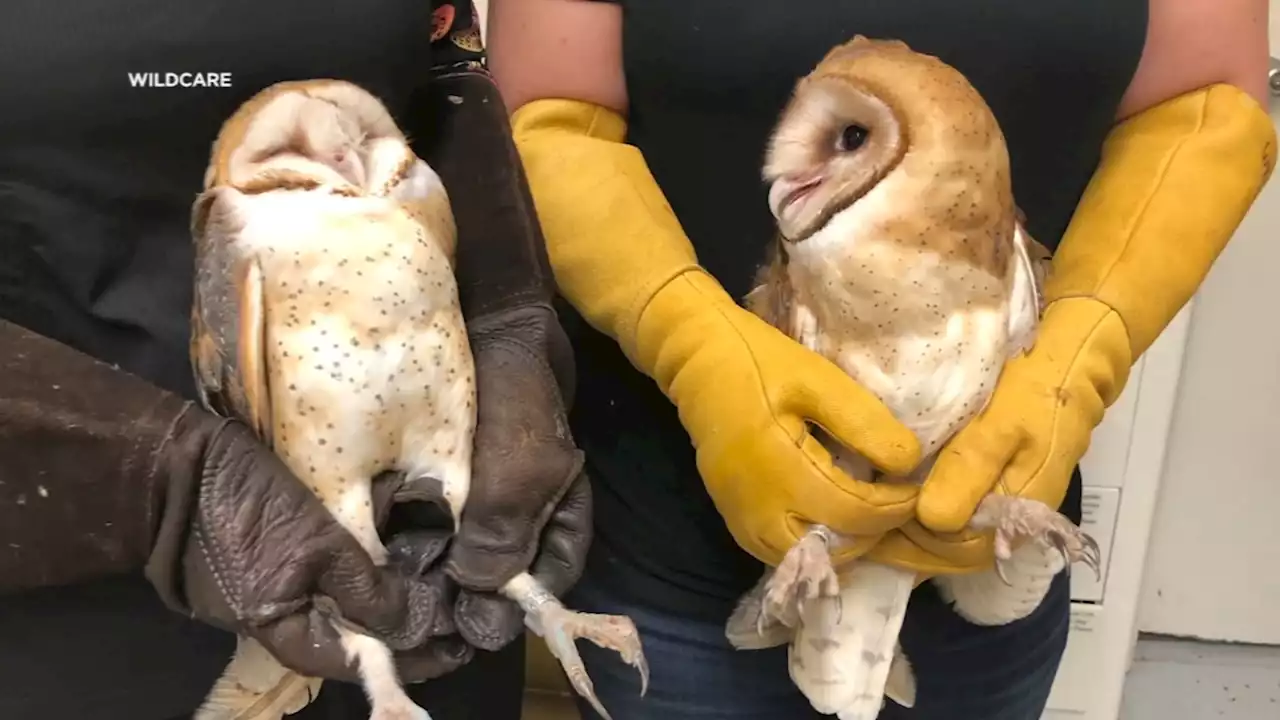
[1214, 571]
[1122, 474]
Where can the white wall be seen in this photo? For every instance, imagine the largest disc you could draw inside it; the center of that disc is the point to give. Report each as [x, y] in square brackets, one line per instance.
[1213, 570]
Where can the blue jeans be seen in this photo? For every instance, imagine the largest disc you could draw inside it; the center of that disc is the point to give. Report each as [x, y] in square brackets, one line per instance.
[963, 671]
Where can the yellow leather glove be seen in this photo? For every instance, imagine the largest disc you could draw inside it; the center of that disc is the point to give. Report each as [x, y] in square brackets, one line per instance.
[1173, 184]
[744, 390]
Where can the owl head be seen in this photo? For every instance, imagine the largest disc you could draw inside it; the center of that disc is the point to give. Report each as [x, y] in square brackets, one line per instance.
[314, 129]
[868, 107]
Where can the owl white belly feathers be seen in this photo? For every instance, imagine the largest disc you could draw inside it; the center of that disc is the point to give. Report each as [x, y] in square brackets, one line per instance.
[366, 339]
[927, 337]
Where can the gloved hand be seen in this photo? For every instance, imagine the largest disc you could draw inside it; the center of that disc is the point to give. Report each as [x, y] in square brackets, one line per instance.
[1173, 184]
[102, 473]
[530, 506]
[530, 501]
[745, 392]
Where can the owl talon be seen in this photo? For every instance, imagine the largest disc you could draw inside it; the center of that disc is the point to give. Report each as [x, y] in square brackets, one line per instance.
[1000, 573]
[1017, 519]
[1091, 555]
[561, 627]
[804, 574]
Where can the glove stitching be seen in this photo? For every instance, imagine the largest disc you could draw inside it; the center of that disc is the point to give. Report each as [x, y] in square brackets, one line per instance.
[1057, 408]
[215, 558]
[158, 459]
[215, 569]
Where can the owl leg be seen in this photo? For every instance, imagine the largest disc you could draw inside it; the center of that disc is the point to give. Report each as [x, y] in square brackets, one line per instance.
[804, 574]
[1016, 520]
[560, 627]
[377, 667]
[352, 506]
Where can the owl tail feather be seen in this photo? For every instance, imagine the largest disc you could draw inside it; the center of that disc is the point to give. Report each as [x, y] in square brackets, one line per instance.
[749, 629]
[255, 686]
[901, 685]
[844, 649]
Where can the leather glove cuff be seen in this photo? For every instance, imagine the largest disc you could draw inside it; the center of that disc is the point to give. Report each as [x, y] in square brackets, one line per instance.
[504, 275]
[586, 180]
[174, 567]
[502, 261]
[1173, 184]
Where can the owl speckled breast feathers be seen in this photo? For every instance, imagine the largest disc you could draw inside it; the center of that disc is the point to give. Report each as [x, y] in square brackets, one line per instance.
[327, 317]
[900, 258]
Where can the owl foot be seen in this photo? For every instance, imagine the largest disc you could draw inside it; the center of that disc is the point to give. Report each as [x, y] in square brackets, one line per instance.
[805, 573]
[560, 627]
[1018, 519]
[399, 711]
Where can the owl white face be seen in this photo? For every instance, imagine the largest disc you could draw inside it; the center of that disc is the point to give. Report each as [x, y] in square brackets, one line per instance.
[320, 130]
[834, 142]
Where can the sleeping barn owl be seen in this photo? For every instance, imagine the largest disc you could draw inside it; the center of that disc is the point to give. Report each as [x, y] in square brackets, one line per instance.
[902, 259]
[326, 318]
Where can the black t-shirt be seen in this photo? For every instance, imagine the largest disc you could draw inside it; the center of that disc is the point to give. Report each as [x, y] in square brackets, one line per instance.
[707, 80]
[97, 178]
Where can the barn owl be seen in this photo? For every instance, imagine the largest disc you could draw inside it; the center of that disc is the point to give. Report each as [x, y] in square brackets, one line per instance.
[902, 258]
[327, 318]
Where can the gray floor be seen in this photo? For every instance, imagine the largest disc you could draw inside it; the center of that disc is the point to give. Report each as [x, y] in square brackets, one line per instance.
[1187, 680]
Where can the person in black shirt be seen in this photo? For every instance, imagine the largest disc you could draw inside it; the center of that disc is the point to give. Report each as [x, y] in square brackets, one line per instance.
[1138, 139]
[136, 529]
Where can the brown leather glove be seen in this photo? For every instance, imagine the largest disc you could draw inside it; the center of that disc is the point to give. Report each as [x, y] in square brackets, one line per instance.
[530, 502]
[530, 505]
[102, 473]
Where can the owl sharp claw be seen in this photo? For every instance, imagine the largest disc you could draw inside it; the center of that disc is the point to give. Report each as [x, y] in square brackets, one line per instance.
[1061, 544]
[561, 627]
[1000, 573]
[1091, 555]
[1016, 519]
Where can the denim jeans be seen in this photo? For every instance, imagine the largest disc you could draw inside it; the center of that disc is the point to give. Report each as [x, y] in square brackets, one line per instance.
[963, 671]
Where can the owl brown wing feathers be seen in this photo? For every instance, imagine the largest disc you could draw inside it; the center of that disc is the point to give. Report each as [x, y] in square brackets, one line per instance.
[771, 298]
[1037, 257]
[228, 321]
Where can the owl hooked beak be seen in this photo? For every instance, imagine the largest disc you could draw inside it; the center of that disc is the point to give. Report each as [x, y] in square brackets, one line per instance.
[790, 198]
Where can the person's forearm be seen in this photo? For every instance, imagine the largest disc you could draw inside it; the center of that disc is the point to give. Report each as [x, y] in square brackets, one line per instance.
[79, 442]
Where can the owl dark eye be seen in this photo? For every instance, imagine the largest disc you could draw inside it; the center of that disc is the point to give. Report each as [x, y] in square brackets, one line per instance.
[852, 138]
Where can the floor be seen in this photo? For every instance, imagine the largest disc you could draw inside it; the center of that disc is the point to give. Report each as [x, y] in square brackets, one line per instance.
[1194, 680]
[1169, 679]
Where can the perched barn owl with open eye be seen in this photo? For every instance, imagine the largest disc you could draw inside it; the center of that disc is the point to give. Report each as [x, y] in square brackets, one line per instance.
[327, 318]
[901, 258]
